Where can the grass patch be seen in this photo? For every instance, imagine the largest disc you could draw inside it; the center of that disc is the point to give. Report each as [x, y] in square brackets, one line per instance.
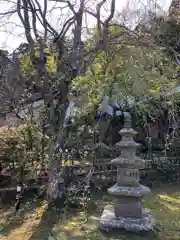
[38, 221]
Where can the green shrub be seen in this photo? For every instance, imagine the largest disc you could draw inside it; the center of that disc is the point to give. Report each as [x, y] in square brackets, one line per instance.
[21, 145]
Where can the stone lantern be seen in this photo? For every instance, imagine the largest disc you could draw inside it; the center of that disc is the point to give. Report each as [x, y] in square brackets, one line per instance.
[127, 212]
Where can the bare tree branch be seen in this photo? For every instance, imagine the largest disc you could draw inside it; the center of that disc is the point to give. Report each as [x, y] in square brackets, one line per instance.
[25, 20]
[33, 12]
[44, 19]
[65, 28]
[98, 9]
[9, 12]
[70, 6]
[111, 15]
[78, 25]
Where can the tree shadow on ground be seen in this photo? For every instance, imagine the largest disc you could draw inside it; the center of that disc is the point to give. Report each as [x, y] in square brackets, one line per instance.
[11, 220]
[48, 220]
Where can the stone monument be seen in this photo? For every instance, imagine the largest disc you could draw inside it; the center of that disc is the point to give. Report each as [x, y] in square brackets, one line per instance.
[127, 212]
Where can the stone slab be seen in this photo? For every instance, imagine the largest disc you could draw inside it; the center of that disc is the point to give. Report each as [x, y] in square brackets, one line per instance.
[131, 162]
[109, 221]
[131, 191]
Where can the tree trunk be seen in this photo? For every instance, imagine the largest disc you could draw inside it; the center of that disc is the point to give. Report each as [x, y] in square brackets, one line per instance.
[56, 183]
[55, 179]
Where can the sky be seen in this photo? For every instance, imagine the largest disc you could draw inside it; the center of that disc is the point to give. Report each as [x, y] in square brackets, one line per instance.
[12, 33]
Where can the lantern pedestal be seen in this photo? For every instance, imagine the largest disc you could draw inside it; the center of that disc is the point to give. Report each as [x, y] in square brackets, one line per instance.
[109, 221]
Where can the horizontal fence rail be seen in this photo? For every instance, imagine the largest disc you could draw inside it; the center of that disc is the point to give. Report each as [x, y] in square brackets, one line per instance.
[99, 168]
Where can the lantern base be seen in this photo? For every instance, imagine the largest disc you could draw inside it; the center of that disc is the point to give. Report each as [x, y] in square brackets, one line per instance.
[109, 221]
